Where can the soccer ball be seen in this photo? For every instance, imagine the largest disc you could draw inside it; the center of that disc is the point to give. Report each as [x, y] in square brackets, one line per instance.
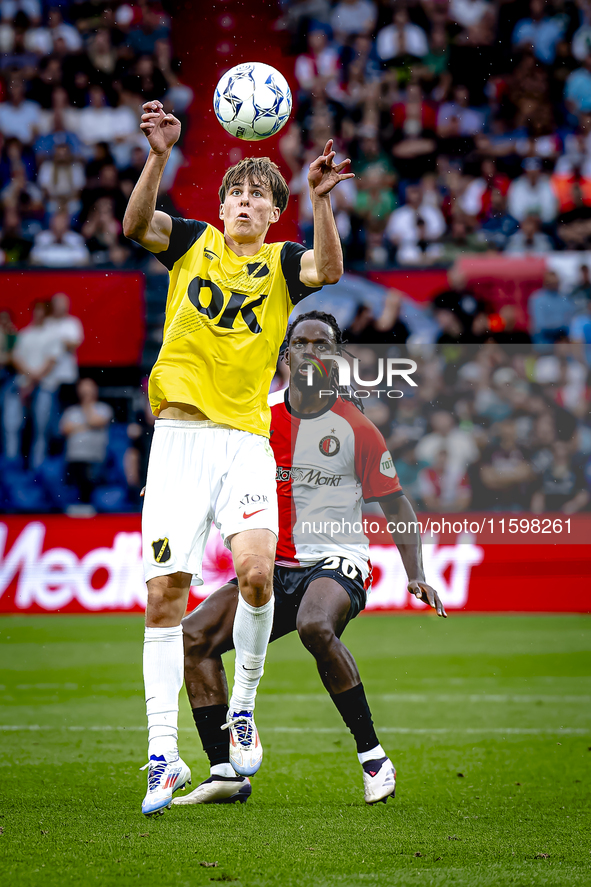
[252, 101]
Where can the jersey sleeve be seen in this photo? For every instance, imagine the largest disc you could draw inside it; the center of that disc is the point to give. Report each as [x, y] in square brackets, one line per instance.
[291, 262]
[374, 465]
[185, 232]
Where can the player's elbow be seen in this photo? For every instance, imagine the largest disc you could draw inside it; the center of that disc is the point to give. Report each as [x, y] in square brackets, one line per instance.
[130, 229]
[332, 275]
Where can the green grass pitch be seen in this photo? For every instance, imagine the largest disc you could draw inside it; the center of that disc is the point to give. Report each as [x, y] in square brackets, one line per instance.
[487, 719]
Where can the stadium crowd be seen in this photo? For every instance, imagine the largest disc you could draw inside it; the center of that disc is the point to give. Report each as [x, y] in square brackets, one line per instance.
[73, 79]
[468, 123]
[469, 126]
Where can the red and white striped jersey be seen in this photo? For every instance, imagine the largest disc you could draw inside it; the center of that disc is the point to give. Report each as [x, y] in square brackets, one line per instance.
[327, 464]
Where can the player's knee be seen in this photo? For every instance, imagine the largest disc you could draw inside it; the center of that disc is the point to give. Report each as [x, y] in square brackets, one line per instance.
[317, 636]
[255, 579]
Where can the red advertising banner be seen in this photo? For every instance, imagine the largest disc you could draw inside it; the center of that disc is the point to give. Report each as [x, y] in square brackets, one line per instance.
[56, 564]
[110, 305]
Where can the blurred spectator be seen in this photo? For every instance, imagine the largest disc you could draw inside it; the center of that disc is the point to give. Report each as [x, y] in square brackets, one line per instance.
[24, 196]
[550, 311]
[320, 65]
[562, 486]
[401, 38]
[59, 247]
[410, 424]
[128, 177]
[18, 116]
[456, 310]
[61, 30]
[460, 241]
[445, 434]
[143, 39]
[35, 358]
[539, 31]
[58, 126]
[469, 13]
[16, 156]
[573, 227]
[386, 329]
[532, 193]
[413, 226]
[470, 121]
[96, 121]
[70, 333]
[529, 238]
[62, 180]
[579, 332]
[477, 198]
[505, 472]
[414, 145]
[146, 80]
[102, 231]
[577, 91]
[581, 293]
[374, 205]
[106, 186]
[178, 96]
[498, 225]
[7, 342]
[350, 17]
[14, 247]
[441, 488]
[85, 427]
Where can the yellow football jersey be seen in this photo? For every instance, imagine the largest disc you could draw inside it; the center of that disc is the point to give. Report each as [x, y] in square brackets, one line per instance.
[226, 317]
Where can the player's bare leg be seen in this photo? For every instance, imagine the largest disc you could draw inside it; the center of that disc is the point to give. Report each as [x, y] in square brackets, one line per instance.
[163, 678]
[322, 617]
[253, 552]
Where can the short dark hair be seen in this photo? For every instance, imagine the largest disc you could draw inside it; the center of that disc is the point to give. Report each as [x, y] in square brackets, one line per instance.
[329, 319]
[257, 169]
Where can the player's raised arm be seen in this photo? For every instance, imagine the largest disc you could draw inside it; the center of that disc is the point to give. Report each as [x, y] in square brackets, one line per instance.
[141, 222]
[400, 511]
[324, 264]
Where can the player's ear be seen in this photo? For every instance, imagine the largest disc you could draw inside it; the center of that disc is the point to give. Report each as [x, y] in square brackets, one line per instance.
[221, 210]
[275, 215]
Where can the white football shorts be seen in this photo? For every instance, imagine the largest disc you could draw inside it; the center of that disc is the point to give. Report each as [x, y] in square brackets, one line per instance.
[201, 472]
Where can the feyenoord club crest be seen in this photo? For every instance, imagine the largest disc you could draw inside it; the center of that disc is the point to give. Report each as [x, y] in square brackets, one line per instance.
[329, 445]
[161, 551]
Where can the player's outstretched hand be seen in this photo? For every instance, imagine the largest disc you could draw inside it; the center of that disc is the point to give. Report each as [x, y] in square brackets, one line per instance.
[162, 130]
[324, 174]
[427, 595]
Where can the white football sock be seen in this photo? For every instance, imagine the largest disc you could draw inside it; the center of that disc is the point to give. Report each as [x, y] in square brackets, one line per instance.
[373, 754]
[226, 770]
[163, 679]
[252, 628]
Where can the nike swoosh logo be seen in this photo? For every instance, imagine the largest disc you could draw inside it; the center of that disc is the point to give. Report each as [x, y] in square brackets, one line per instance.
[252, 513]
[249, 669]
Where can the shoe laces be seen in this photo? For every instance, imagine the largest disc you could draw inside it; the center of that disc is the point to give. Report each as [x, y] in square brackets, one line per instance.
[155, 773]
[243, 725]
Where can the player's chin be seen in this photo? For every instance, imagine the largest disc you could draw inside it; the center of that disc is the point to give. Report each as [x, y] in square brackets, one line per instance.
[300, 380]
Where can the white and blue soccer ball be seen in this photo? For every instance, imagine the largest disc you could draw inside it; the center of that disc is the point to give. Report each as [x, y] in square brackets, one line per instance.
[252, 101]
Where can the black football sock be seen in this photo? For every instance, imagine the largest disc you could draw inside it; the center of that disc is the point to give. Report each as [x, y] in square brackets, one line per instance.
[354, 710]
[216, 742]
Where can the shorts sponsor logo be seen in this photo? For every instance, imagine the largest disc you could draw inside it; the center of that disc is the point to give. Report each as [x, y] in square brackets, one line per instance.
[387, 466]
[311, 476]
[329, 445]
[161, 550]
[254, 499]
